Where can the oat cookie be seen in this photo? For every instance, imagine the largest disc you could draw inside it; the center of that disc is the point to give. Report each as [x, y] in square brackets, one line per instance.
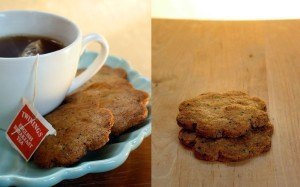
[214, 115]
[114, 76]
[254, 143]
[80, 128]
[119, 72]
[128, 106]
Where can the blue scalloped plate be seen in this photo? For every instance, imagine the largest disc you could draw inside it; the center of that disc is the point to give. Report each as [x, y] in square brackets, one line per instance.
[15, 171]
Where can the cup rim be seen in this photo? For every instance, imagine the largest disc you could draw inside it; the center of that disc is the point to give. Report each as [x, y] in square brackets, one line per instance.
[18, 59]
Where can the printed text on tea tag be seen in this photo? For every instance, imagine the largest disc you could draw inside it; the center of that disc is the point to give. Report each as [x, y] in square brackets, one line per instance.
[28, 130]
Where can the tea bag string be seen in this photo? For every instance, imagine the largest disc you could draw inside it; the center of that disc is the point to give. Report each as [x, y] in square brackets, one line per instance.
[36, 63]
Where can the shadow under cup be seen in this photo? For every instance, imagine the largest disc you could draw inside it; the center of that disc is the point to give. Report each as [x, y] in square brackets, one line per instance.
[55, 72]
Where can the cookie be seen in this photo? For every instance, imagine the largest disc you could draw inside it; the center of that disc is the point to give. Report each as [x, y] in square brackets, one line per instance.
[214, 115]
[80, 128]
[254, 143]
[114, 76]
[119, 72]
[128, 106]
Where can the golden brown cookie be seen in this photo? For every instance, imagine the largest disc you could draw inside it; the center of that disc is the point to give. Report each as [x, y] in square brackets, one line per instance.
[128, 106]
[80, 128]
[215, 115]
[113, 76]
[254, 143]
[119, 72]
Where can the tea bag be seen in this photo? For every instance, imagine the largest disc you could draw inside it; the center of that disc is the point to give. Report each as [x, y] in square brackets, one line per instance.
[29, 128]
[33, 49]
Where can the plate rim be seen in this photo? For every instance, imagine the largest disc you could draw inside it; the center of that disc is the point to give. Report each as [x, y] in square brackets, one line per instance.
[90, 166]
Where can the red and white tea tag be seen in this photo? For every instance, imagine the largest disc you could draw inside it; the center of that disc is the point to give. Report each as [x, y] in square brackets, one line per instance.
[28, 130]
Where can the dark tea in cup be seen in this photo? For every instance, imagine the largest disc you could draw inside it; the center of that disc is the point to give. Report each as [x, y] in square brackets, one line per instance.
[21, 46]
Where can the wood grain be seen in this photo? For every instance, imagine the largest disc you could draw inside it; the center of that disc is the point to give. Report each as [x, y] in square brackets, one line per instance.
[259, 57]
[136, 171]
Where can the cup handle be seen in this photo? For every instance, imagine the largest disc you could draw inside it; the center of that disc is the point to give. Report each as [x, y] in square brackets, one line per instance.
[92, 69]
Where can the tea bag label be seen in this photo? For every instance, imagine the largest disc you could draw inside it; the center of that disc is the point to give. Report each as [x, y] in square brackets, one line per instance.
[28, 130]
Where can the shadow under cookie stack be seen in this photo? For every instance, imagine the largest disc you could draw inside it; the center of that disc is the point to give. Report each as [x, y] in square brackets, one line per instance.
[225, 127]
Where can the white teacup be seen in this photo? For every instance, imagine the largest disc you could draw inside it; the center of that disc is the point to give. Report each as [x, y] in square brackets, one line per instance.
[56, 70]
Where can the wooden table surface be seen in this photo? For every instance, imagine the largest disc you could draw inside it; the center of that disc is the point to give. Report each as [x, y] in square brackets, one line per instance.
[136, 171]
[259, 57]
[126, 24]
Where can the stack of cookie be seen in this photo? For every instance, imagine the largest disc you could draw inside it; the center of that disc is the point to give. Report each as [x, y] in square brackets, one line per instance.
[105, 107]
[225, 127]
